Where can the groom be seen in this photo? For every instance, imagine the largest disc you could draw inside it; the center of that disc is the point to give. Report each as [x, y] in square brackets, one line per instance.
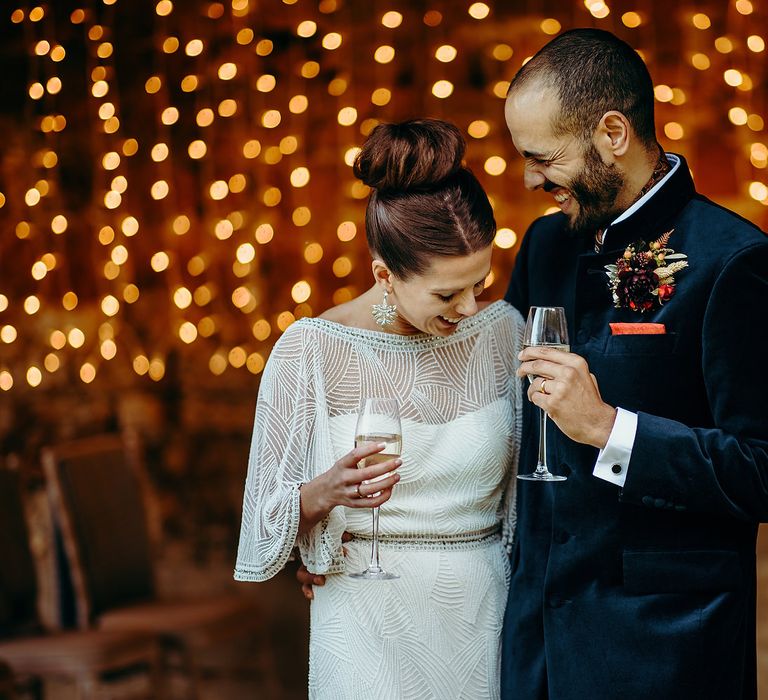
[635, 578]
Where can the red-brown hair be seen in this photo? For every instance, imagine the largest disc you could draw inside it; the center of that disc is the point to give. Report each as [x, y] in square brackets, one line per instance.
[423, 202]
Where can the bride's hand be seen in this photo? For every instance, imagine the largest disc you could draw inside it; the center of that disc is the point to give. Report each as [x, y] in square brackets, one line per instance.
[346, 485]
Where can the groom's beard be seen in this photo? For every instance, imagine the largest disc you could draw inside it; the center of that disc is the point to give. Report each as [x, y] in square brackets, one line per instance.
[596, 189]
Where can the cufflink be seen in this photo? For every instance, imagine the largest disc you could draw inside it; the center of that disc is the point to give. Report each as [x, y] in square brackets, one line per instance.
[616, 469]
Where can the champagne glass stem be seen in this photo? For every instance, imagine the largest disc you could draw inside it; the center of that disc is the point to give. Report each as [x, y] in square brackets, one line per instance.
[541, 467]
[374, 566]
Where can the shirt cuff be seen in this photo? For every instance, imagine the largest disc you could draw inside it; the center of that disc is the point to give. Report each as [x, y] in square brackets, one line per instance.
[613, 460]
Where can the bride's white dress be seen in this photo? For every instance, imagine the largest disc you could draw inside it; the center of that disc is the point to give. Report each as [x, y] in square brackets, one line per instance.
[435, 631]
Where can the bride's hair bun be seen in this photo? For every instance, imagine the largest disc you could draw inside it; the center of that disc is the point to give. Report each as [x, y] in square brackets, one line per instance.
[424, 204]
[415, 155]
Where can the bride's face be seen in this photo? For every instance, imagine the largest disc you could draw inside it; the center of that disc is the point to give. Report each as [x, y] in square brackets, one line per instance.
[437, 300]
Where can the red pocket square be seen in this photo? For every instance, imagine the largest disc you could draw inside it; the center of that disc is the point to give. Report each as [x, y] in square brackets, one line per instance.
[637, 328]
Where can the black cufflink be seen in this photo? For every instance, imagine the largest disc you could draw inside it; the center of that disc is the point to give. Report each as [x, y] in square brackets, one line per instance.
[616, 469]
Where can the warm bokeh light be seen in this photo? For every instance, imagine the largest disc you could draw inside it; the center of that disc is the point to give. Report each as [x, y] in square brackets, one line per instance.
[347, 116]
[700, 61]
[723, 44]
[479, 10]
[392, 19]
[505, 238]
[346, 231]
[738, 116]
[8, 334]
[298, 104]
[631, 19]
[756, 43]
[445, 53]
[674, 131]
[384, 54]
[701, 21]
[160, 261]
[550, 27]
[733, 77]
[758, 191]
[495, 165]
[76, 338]
[192, 199]
[442, 89]
[479, 129]
[663, 93]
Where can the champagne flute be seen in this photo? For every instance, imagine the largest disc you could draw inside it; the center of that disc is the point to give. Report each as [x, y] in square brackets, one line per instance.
[379, 422]
[546, 327]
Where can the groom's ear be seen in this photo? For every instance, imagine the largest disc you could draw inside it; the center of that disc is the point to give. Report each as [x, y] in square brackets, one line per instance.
[612, 136]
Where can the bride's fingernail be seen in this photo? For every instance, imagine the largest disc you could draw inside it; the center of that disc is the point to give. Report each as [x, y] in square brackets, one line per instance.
[398, 462]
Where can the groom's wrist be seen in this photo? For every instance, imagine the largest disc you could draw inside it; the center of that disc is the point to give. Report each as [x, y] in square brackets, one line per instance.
[603, 427]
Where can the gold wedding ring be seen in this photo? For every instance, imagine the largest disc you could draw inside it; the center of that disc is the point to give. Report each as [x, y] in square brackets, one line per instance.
[543, 388]
[359, 495]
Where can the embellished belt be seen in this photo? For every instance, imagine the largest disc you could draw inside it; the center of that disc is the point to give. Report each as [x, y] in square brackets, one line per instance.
[463, 540]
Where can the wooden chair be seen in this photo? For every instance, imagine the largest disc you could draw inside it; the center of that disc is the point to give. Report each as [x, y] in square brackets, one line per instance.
[81, 657]
[97, 492]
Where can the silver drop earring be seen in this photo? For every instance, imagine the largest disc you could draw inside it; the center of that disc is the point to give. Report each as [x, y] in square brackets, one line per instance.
[384, 314]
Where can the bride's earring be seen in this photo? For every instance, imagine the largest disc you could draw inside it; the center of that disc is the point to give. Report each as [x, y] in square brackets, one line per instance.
[384, 314]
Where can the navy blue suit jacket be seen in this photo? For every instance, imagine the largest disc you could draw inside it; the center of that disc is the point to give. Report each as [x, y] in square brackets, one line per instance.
[648, 591]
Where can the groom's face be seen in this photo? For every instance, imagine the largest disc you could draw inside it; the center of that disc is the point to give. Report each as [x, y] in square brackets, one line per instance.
[584, 187]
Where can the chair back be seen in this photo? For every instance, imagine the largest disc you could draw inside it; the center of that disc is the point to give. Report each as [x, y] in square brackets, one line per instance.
[97, 501]
[18, 578]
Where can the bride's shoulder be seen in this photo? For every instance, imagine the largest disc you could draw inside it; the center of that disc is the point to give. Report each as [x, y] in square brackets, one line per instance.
[503, 310]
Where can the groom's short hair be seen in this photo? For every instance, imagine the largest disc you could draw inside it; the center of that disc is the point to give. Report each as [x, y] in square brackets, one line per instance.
[593, 72]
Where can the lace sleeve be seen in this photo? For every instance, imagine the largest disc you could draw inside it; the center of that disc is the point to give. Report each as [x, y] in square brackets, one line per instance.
[514, 338]
[289, 447]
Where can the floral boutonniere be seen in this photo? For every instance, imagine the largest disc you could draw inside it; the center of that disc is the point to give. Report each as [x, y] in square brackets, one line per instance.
[643, 278]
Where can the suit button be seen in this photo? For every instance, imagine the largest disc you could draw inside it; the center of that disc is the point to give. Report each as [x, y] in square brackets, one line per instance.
[616, 469]
[647, 501]
[659, 502]
[561, 536]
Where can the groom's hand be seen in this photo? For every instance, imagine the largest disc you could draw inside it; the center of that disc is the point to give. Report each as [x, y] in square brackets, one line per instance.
[570, 394]
[307, 580]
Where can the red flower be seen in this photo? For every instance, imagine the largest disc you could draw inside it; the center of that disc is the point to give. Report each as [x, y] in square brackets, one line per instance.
[665, 292]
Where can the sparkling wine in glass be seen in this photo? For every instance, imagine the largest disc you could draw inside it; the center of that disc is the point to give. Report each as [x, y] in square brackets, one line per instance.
[379, 422]
[546, 327]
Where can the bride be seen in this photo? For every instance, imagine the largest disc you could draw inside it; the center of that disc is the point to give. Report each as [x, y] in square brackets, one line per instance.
[448, 512]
